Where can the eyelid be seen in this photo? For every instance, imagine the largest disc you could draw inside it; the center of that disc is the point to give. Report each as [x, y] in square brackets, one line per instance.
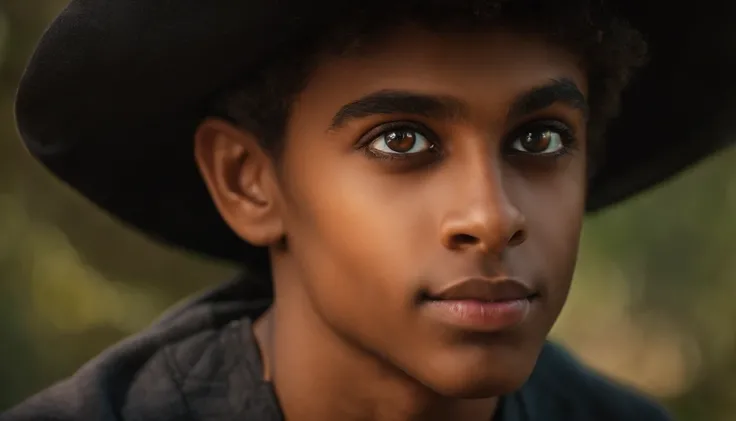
[380, 129]
[567, 132]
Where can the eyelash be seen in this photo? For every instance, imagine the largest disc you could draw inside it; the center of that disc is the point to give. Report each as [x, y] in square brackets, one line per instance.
[409, 126]
[569, 141]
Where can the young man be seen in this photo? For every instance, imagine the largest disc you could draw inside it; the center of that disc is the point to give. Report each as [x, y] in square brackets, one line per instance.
[405, 183]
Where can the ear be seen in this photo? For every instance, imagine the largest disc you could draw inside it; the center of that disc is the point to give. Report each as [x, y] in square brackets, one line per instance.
[241, 180]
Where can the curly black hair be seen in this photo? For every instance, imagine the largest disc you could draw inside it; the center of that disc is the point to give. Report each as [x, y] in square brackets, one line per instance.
[610, 51]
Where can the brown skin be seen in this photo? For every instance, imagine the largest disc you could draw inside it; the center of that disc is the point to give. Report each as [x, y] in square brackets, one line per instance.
[347, 337]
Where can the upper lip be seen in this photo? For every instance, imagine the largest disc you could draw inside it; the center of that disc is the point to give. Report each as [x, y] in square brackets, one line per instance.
[485, 289]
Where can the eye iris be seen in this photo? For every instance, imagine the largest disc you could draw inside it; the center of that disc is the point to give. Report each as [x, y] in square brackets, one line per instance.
[400, 141]
[537, 142]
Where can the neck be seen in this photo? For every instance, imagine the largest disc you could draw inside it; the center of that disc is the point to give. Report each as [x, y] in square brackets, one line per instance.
[319, 374]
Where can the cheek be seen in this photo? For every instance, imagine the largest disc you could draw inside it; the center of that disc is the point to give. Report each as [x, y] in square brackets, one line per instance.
[554, 212]
[357, 234]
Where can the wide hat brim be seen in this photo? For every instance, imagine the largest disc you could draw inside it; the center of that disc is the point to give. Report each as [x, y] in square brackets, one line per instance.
[115, 89]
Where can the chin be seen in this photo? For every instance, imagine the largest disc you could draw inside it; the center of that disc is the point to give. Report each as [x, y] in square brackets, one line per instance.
[478, 387]
[465, 377]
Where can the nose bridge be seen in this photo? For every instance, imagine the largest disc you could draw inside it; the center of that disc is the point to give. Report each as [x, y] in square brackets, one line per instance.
[488, 202]
[484, 216]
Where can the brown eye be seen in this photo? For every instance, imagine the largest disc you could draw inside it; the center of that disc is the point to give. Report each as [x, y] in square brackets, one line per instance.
[539, 142]
[401, 142]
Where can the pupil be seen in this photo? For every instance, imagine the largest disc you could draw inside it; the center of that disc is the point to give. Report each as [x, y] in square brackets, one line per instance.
[537, 142]
[400, 141]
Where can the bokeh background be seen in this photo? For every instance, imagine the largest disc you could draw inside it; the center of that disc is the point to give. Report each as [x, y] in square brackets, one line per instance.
[652, 304]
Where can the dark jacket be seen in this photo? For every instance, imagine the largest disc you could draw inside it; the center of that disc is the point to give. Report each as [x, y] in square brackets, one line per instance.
[200, 362]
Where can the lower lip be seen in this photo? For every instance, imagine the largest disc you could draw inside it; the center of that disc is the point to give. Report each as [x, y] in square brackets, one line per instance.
[481, 315]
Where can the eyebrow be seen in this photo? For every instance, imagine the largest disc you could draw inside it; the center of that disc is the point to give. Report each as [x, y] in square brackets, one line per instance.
[399, 102]
[439, 106]
[563, 91]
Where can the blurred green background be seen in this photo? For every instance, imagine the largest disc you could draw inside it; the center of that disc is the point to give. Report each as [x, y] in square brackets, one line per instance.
[652, 305]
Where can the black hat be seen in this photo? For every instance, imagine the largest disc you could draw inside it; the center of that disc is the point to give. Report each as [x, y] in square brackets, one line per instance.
[113, 94]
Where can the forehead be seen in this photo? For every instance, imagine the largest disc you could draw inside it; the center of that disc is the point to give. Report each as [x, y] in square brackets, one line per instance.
[482, 68]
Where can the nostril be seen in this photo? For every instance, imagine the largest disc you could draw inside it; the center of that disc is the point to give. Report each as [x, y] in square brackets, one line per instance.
[461, 240]
[518, 238]
[466, 241]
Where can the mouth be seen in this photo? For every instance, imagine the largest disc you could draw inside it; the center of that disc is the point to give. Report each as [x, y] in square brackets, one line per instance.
[481, 304]
[483, 290]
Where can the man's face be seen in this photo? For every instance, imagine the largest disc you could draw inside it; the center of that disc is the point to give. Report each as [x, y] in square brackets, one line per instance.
[432, 190]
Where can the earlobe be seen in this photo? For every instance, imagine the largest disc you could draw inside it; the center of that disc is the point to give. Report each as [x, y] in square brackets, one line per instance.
[239, 176]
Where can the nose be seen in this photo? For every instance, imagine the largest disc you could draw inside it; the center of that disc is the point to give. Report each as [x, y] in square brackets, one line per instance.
[483, 218]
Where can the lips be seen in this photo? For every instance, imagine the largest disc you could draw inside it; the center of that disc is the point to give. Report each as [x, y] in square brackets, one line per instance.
[481, 304]
[484, 290]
